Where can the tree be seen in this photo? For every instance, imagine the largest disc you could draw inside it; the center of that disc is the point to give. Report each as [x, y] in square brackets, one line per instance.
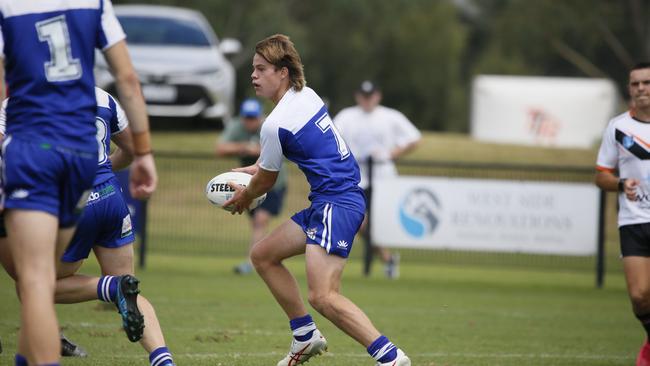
[570, 38]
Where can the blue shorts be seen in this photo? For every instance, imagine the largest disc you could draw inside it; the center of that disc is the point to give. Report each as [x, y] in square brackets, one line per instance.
[331, 226]
[105, 222]
[273, 202]
[47, 178]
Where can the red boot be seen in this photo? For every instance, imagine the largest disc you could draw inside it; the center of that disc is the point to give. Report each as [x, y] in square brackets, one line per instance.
[643, 359]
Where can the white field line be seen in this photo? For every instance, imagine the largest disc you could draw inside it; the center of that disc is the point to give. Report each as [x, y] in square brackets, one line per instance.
[426, 355]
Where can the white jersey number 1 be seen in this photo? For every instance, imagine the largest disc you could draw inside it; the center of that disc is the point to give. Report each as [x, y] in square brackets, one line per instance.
[62, 66]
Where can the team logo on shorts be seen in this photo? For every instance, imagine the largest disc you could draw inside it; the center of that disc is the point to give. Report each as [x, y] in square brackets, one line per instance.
[126, 226]
[93, 196]
[19, 194]
[342, 244]
[311, 233]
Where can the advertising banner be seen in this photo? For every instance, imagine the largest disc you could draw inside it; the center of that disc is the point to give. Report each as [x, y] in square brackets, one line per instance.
[485, 215]
[541, 111]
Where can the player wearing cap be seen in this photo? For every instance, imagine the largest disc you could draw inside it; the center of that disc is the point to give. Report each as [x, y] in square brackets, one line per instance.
[241, 138]
[385, 134]
[300, 128]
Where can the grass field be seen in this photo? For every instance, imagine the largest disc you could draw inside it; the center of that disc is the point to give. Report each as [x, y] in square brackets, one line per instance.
[434, 146]
[441, 315]
[446, 309]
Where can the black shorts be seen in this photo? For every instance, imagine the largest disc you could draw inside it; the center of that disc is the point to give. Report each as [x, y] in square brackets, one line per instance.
[635, 240]
[273, 202]
[3, 228]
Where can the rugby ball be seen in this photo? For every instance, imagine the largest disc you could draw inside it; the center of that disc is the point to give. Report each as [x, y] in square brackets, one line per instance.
[218, 191]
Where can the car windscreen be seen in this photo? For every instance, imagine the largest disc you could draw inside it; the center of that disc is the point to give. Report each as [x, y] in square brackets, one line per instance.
[145, 30]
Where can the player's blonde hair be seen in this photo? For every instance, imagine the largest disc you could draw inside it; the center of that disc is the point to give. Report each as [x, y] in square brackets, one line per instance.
[279, 51]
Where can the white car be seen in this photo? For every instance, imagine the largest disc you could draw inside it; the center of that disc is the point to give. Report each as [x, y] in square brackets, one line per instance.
[179, 60]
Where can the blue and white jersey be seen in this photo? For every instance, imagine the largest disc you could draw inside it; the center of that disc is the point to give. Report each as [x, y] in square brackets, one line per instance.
[110, 120]
[48, 48]
[300, 128]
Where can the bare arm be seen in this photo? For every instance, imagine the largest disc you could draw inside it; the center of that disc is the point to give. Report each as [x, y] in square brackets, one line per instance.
[123, 155]
[143, 177]
[225, 148]
[261, 183]
[3, 87]
[398, 151]
[251, 169]
[128, 87]
[607, 181]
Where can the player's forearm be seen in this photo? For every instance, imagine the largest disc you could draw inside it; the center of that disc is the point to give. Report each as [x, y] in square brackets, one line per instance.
[261, 183]
[130, 96]
[403, 150]
[607, 181]
[3, 86]
[120, 159]
[229, 149]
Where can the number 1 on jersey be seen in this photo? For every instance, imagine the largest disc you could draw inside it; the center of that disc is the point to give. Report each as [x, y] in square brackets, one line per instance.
[62, 66]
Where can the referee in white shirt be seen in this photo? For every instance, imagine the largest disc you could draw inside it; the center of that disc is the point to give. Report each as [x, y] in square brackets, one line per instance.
[385, 134]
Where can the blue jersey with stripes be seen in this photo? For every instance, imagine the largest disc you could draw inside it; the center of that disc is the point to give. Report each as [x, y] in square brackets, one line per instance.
[110, 120]
[49, 54]
[300, 129]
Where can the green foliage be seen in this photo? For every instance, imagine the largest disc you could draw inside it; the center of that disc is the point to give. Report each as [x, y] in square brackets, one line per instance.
[572, 38]
[423, 73]
[410, 47]
[426, 53]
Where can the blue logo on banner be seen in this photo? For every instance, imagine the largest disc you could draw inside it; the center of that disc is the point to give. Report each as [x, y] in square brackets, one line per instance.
[418, 212]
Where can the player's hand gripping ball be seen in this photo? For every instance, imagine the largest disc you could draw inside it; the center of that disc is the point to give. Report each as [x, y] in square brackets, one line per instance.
[218, 191]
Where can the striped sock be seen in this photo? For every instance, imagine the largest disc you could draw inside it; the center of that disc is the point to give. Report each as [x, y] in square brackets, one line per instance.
[20, 360]
[107, 288]
[161, 357]
[303, 328]
[382, 350]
